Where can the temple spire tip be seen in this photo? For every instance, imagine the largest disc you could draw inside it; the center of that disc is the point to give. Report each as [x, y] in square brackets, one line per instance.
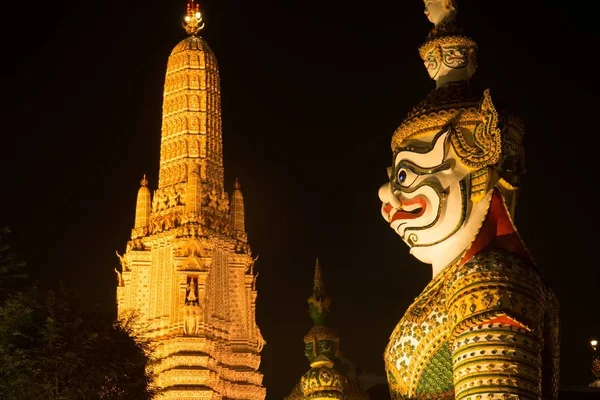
[192, 22]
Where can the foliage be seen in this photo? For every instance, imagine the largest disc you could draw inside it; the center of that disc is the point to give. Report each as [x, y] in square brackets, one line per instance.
[50, 348]
[11, 266]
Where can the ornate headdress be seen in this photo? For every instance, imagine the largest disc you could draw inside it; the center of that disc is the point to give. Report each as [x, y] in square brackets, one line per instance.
[488, 141]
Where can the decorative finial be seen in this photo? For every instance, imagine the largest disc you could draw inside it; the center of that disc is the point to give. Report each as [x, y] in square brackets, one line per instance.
[440, 11]
[193, 20]
[449, 56]
[236, 184]
[319, 285]
[318, 301]
[144, 181]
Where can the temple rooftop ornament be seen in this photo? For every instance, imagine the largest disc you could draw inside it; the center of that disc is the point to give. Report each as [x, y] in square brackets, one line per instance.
[192, 22]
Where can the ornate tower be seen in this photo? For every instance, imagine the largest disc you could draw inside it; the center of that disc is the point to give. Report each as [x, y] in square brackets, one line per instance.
[187, 271]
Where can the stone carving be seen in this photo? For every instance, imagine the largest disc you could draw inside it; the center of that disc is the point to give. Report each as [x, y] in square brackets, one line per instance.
[212, 198]
[120, 281]
[122, 261]
[160, 201]
[224, 202]
[191, 296]
[173, 198]
[191, 320]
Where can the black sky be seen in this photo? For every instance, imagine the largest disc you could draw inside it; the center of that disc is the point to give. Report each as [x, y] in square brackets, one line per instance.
[312, 92]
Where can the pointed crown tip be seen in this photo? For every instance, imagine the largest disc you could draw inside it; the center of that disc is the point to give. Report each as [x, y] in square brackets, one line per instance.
[236, 184]
[319, 284]
[144, 181]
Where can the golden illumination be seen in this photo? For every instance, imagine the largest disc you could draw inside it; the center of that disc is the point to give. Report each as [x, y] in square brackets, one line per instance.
[193, 20]
[594, 344]
[187, 272]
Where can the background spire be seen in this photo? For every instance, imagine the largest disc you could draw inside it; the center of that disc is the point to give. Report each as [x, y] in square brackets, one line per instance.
[319, 285]
[193, 20]
[319, 301]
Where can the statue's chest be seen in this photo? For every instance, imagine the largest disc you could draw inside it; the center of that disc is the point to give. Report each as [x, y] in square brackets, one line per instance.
[418, 359]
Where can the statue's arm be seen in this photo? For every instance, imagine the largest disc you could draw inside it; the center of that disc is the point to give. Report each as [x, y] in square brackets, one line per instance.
[496, 308]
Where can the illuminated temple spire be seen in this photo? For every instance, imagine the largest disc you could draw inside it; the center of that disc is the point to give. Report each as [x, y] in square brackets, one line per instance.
[191, 128]
[142, 209]
[188, 269]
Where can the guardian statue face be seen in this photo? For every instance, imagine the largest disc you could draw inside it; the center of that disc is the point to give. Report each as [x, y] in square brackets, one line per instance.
[426, 201]
[441, 181]
[316, 347]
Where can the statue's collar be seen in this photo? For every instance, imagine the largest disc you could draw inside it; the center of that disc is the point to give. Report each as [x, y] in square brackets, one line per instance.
[497, 231]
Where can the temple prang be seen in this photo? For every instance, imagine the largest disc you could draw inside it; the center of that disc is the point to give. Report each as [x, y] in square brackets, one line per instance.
[188, 270]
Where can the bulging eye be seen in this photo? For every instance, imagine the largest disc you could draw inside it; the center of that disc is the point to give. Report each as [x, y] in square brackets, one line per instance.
[405, 177]
[401, 176]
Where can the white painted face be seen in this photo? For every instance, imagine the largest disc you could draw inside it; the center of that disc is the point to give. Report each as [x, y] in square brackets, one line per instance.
[438, 10]
[449, 63]
[427, 200]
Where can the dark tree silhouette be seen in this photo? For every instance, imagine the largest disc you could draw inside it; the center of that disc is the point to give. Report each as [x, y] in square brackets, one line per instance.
[50, 348]
[11, 265]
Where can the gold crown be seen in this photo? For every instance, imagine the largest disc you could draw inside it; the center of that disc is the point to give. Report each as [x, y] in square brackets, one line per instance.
[480, 136]
[437, 110]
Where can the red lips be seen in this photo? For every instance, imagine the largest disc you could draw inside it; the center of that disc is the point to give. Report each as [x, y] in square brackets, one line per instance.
[403, 214]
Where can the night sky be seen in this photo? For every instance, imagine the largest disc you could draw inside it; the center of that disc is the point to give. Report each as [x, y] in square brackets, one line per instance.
[311, 92]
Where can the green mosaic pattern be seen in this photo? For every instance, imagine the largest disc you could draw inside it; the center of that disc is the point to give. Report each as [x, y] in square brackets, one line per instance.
[437, 375]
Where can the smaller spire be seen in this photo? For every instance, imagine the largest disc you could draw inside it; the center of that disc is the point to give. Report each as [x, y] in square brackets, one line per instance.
[142, 209]
[192, 22]
[319, 285]
[236, 184]
[319, 301]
